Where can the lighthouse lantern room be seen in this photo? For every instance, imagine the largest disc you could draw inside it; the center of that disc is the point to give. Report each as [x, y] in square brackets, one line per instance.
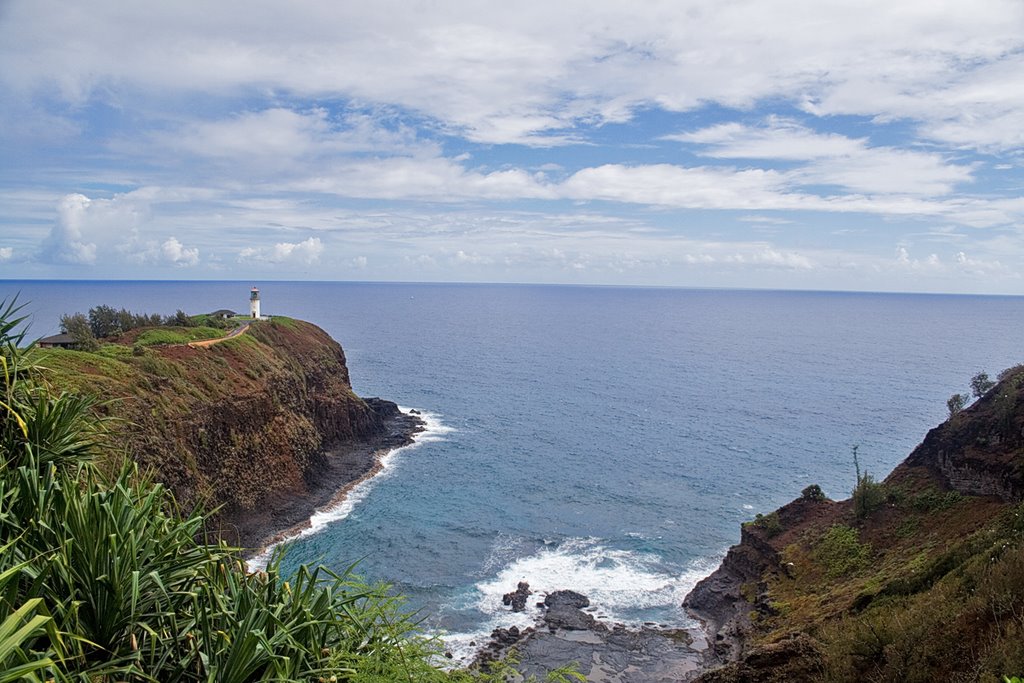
[254, 304]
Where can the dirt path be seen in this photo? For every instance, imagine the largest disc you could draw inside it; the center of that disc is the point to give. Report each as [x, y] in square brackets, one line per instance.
[210, 342]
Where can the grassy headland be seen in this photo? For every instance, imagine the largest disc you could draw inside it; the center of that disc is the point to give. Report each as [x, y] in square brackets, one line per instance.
[919, 577]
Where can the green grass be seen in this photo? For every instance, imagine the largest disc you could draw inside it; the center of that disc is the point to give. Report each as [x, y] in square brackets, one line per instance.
[284, 321]
[840, 552]
[177, 335]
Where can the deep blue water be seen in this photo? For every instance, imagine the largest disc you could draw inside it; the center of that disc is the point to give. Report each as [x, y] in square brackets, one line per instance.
[609, 440]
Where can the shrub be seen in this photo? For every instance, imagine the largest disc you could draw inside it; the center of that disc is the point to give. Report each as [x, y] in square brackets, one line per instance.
[770, 523]
[934, 500]
[813, 492]
[839, 551]
[868, 495]
[1011, 371]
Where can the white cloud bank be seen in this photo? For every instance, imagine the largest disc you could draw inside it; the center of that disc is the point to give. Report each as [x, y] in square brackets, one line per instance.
[832, 159]
[90, 231]
[306, 252]
[530, 72]
[365, 121]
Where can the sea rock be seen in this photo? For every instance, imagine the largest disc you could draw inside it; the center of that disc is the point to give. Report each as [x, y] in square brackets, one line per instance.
[569, 618]
[563, 611]
[566, 598]
[517, 599]
[604, 652]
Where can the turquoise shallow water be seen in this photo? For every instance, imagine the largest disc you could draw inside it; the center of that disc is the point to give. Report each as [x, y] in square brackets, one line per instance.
[609, 440]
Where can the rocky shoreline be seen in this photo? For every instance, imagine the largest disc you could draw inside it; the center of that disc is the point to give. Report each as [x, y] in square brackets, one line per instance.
[566, 632]
[287, 513]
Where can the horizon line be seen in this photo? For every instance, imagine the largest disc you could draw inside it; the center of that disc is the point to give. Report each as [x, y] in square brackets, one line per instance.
[525, 284]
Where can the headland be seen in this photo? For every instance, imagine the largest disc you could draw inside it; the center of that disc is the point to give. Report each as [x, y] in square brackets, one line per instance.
[263, 425]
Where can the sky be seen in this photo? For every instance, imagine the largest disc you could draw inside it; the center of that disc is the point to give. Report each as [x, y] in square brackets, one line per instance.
[870, 145]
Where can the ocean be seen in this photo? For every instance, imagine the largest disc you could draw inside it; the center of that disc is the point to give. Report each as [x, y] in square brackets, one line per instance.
[604, 439]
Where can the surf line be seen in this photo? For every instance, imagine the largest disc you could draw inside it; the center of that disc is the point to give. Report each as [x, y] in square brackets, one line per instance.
[351, 494]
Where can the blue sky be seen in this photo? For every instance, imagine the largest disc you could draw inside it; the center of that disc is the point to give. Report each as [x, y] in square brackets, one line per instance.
[827, 145]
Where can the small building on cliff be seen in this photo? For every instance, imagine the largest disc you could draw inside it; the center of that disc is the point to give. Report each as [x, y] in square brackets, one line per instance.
[58, 341]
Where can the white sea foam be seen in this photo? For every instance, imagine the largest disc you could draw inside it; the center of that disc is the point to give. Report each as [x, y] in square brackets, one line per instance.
[620, 584]
[434, 430]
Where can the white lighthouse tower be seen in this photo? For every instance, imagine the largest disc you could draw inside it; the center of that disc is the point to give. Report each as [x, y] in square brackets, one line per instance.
[254, 304]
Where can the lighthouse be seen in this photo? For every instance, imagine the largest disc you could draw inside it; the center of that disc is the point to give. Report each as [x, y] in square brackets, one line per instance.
[254, 304]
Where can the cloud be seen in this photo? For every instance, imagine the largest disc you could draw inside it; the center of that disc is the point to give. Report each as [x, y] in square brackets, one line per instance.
[170, 252]
[434, 178]
[174, 252]
[396, 132]
[6, 253]
[97, 231]
[462, 257]
[65, 243]
[832, 159]
[960, 264]
[982, 267]
[306, 252]
[779, 139]
[534, 72]
[930, 264]
[767, 220]
[670, 185]
[275, 138]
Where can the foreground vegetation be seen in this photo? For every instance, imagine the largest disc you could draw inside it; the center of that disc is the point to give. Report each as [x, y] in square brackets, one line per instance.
[102, 578]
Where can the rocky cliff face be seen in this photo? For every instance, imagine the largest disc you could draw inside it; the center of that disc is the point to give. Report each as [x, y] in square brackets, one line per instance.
[978, 452]
[245, 424]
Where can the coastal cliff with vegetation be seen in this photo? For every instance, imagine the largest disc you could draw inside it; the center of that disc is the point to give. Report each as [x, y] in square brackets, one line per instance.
[104, 578]
[263, 425]
[915, 578]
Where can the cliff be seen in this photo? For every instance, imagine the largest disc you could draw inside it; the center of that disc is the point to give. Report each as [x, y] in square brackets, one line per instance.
[917, 577]
[264, 425]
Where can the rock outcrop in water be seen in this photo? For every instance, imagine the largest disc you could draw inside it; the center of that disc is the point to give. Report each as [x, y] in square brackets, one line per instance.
[265, 424]
[517, 598]
[610, 653]
[921, 581]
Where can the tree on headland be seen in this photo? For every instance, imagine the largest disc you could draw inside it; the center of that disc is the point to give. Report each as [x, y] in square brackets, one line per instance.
[77, 327]
[980, 384]
[179, 319]
[107, 321]
[104, 321]
[956, 403]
